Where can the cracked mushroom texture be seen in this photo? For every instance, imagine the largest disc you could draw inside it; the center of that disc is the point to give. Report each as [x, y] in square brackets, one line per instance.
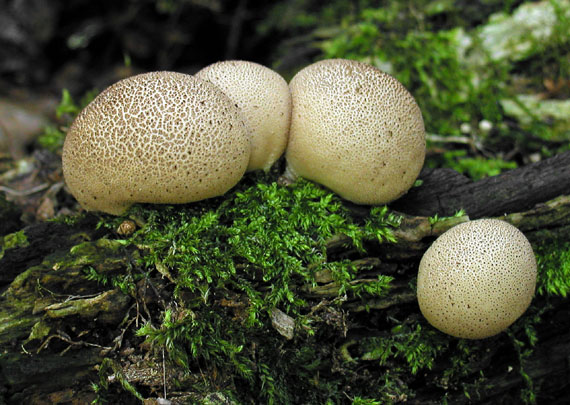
[264, 98]
[355, 130]
[476, 279]
[159, 137]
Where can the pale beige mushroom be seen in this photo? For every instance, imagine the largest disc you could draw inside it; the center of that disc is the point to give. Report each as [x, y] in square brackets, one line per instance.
[159, 137]
[477, 279]
[356, 130]
[264, 98]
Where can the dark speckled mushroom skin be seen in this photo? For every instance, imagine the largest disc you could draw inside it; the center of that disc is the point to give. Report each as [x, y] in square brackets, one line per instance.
[356, 130]
[477, 279]
[159, 137]
[265, 101]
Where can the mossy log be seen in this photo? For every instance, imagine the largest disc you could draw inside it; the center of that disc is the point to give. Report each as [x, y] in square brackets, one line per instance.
[59, 323]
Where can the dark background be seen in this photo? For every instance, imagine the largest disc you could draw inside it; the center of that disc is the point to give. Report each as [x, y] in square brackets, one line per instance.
[84, 44]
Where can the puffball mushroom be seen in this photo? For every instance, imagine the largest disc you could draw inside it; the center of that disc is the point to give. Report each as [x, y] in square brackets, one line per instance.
[476, 279]
[159, 137]
[264, 98]
[355, 130]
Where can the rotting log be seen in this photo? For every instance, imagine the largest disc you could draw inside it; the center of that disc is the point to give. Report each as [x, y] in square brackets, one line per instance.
[444, 191]
[548, 220]
[56, 320]
[545, 222]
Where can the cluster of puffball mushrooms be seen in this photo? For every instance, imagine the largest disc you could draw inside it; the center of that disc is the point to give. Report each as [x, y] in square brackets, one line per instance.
[166, 138]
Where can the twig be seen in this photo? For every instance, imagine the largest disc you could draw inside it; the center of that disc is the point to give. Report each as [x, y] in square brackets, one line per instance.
[473, 142]
[24, 193]
[119, 339]
[450, 139]
[67, 339]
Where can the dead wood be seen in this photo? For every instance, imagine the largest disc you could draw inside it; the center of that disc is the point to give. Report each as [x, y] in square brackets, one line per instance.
[41, 302]
[444, 191]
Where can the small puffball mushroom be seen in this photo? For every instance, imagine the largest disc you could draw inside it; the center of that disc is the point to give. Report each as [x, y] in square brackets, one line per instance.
[355, 130]
[159, 137]
[476, 279]
[264, 98]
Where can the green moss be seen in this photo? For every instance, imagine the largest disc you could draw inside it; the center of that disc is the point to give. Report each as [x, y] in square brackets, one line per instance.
[264, 234]
[13, 240]
[523, 336]
[110, 367]
[365, 401]
[53, 137]
[476, 167]
[39, 331]
[16, 239]
[68, 107]
[234, 259]
[416, 346]
[553, 262]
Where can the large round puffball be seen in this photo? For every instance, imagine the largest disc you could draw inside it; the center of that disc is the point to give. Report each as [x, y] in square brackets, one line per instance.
[159, 137]
[355, 130]
[476, 279]
[265, 101]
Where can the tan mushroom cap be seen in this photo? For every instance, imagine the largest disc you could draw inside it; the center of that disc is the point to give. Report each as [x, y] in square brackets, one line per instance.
[356, 130]
[477, 279]
[264, 98]
[159, 137]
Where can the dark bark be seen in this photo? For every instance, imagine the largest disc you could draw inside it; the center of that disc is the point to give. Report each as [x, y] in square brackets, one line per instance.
[43, 238]
[444, 191]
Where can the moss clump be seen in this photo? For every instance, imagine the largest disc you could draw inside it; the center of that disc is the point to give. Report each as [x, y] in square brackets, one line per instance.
[53, 137]
[553, 269]
[417, 347]
[233, 260]
[106, 368]
[16, 239]
[476, 167]
[261, 237]
[13, 240]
